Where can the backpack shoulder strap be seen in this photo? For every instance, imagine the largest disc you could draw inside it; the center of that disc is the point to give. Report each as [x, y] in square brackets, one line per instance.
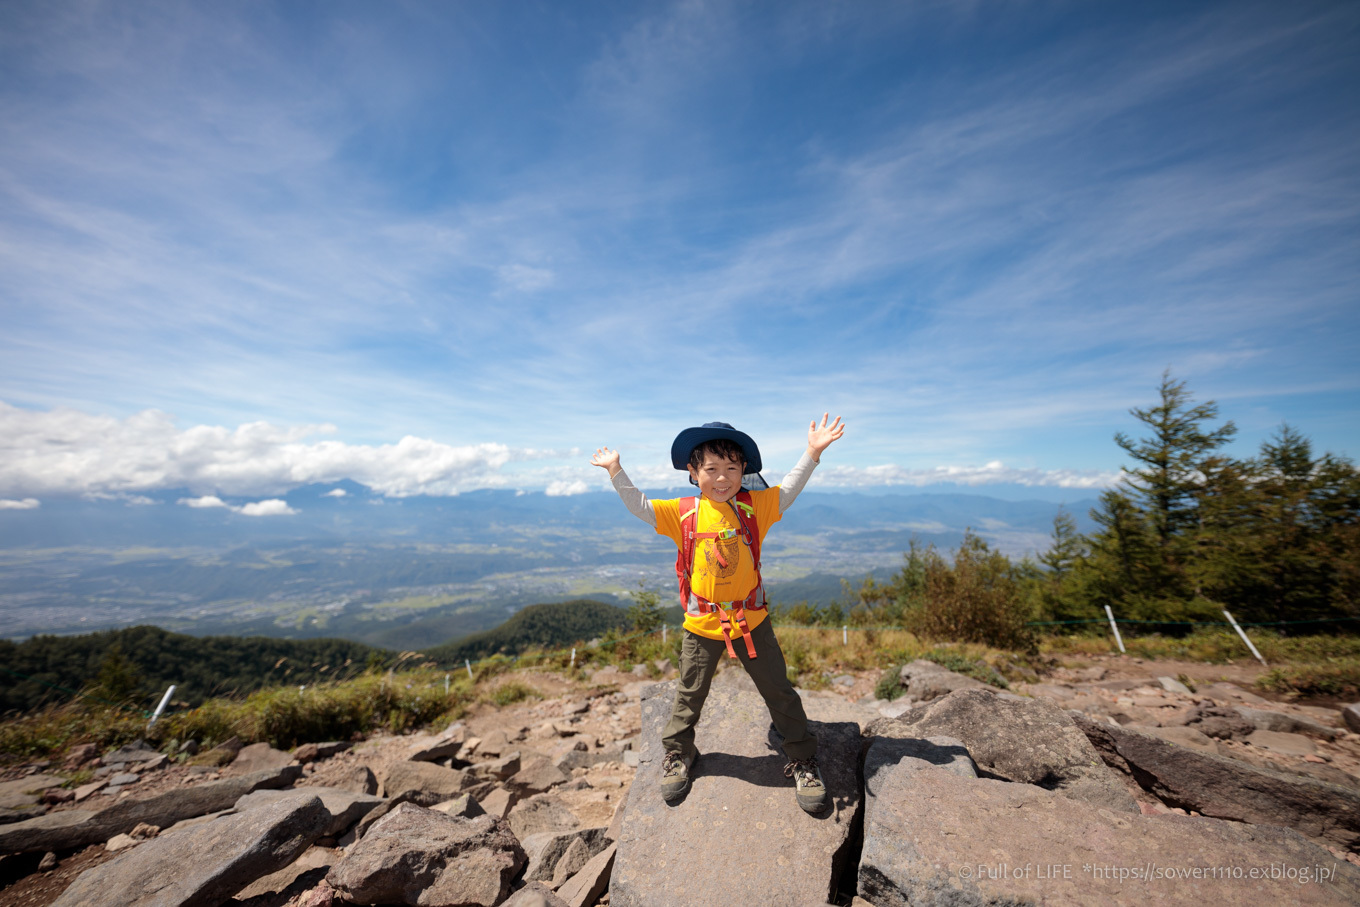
[684, 559]
[746, 515]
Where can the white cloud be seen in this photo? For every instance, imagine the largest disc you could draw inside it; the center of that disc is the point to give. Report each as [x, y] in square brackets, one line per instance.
[272, 507]
[208, 500]
[335, 493]
[992, 473]
[25, 504]
[562, 488]
[63, 451]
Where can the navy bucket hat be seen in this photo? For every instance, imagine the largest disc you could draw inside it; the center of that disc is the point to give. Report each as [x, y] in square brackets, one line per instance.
[690, 438]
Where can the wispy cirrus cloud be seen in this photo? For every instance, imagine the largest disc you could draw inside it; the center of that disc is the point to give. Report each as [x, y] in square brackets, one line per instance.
[977, 241]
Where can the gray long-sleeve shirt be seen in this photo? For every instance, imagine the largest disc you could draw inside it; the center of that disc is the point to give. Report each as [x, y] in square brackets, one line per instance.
[639, 506]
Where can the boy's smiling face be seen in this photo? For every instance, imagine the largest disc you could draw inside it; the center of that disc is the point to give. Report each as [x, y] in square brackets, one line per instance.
[719, 478]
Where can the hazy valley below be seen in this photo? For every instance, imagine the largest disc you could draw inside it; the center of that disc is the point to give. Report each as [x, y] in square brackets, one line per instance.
[415, 572]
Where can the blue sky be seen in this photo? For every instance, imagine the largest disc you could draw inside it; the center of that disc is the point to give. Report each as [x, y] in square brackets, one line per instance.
[443, 246]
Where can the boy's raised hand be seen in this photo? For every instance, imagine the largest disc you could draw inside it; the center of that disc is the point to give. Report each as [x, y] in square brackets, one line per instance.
[821, 436]
[607, 459]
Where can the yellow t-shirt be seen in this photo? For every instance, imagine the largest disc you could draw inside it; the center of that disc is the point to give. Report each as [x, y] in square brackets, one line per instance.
[710, 579]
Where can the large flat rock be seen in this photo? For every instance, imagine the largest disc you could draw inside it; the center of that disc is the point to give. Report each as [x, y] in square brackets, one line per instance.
[933, 835]
[1026, 740]
[1228, 789]
[204, 865]
[678, 854]
[76, 828]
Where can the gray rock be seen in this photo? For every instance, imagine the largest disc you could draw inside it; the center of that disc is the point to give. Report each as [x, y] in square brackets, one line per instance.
[1282, 744]
[314, 863]
[1223, 690]
[136, 751]
[1184, 736]
[500, 769]
[537, 776]
[415, 855]
[359, 779]
[423, 783]
[1266, 720]
[1350, 716]
[586, 886]
[202, 866]
[494, 743]
[570, 863]
[314, 752]
[1054, 691]
[925, 681]
[259, 757]
[535, 894]
[896, 708]
[344, 807]
[1228, 789]
[739, 794]
[1026, 740]
[543, 813]
[74, 828]
[1222, 722]
[1172, 685]
[887, 754]
[464, 806]
[546, 849]
[498, 802]
[934, 836]
[222, 754]
[124, 778]
[24, 792]
[429, 748]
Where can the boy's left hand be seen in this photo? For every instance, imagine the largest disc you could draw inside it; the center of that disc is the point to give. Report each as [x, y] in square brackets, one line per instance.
[821, 436]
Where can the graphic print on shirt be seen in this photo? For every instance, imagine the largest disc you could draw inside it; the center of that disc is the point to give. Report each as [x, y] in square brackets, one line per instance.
[730, 552]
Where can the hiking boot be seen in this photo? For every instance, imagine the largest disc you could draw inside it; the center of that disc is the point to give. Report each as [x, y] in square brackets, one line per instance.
[808, 787]
[675, 776]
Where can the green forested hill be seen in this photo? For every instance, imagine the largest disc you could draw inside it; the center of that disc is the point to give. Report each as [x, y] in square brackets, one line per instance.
[537, 625]
[137, 664]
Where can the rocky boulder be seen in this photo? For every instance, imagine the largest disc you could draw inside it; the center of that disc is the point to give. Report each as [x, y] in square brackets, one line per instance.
[76, 827]
[1025, 740]
[1228, 789]
[204, 865]
[1222, 722]
[259, 757]
[423, 783]
[1279, 722]
[739, 794]
[543, 813]
[415, 855]
[925, 681]
[935, 836]
[343, 807]
[547, 849]
[1350, 716]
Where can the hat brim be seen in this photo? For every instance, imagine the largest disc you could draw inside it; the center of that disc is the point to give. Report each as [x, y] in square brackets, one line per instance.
[690, 438]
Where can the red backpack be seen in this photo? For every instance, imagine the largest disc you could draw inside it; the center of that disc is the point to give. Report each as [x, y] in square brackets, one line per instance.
[684, 565]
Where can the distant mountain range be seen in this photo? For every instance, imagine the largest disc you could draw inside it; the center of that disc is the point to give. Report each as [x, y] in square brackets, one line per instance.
[413, 572]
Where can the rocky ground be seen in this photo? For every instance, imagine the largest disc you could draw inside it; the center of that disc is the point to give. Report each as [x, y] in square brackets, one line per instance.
[526, 804]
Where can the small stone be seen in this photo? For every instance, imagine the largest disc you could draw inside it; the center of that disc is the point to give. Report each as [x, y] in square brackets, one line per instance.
[48, 862]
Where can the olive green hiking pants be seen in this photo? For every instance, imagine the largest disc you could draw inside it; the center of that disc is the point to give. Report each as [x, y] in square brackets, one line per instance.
[699, 657]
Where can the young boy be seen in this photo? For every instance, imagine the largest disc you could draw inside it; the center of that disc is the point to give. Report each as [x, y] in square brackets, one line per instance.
[721, 590]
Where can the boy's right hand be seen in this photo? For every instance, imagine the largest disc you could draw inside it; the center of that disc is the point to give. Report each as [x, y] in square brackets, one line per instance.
[607, 459]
